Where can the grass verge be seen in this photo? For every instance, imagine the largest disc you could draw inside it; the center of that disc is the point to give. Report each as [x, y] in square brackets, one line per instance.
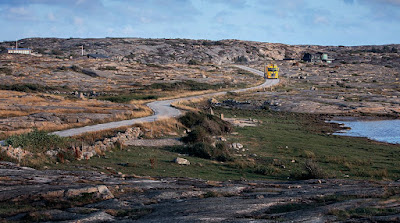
[283, 146]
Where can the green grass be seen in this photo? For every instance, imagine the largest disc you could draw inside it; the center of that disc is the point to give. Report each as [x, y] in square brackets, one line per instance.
[125, 98]
[10, 209]
[108, 68]
[300, 137]
[136, 160]
[286, 145]
[363, 212]
[27, 87]
[185, 85]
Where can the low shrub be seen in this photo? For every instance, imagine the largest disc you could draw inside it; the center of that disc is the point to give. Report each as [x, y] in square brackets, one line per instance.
[221, 152]
[197, 135]
[266, 170]
[201, 150]
[125, 98]
[155, 65]
[204, 150]
[38, 141]
[199, 139]
[184, 85]
[311, 171]
[26, 87]
[6, 70]
[83, 71]
[211, 124]
[194, 62]
[108, 68]
[57, 52]
[5, 157]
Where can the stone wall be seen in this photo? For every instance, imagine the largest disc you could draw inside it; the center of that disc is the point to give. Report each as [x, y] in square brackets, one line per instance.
[84, 151]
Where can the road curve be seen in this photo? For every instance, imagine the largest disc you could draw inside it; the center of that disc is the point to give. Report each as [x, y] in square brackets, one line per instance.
[162, 109]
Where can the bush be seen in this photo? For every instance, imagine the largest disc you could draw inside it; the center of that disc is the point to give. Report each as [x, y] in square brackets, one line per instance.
[38, 141]
[266, 170]
[108, 68]
[204, 150]
[193, 62]
[27, 87]
[84, 71]
[201, 150]
[197, 135]
[127, 98]
[311, 171]
[184, 85]
[221, 152]
[6, 70]
[203, 126]
[211, 124]
[57, 52]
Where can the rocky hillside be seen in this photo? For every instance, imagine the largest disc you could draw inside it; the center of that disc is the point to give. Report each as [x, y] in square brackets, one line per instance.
[165, 51]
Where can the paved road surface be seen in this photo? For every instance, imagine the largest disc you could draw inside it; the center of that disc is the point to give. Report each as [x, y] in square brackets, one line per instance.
[162, 109]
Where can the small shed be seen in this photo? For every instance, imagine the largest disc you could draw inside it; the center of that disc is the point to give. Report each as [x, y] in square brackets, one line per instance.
[317, 57]
[19, 50]
[97, 56]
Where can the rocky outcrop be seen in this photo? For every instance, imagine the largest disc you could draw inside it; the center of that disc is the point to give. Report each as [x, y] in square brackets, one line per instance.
[76, 196]
[163, 51]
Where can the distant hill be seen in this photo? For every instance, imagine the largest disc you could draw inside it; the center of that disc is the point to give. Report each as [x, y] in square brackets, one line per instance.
[164, 51]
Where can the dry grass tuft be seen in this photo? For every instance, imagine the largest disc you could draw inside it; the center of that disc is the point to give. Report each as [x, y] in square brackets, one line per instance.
[161, 127]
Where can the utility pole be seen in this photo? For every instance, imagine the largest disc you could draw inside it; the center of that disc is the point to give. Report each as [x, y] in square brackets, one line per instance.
[16, 44]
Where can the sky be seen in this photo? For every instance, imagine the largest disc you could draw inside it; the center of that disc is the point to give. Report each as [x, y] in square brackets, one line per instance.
[317, 22]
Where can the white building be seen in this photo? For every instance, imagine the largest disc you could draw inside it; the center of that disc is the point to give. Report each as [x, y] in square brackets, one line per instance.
[19, 50]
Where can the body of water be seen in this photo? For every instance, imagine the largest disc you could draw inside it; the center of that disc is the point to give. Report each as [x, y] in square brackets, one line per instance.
[382, 130]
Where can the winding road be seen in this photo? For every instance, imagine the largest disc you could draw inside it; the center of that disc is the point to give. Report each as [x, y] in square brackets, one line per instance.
[162, 109]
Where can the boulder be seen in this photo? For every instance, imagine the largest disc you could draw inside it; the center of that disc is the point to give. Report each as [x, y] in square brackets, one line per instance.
[100, 191]
[213, 101]
[221, 138]
[181, 161]
[237, 146]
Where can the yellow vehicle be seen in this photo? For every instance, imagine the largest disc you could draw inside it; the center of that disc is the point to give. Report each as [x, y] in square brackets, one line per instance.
[271, 71]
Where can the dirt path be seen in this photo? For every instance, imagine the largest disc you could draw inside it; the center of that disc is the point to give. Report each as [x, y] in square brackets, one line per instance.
[153, 142]
[162, 109]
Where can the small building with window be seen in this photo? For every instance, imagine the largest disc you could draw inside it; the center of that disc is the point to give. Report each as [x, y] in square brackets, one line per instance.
[19, 50]
[317, 57]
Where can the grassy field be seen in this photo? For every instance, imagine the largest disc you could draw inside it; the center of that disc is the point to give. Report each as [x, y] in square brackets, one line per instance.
[290, 139]
[284, 146]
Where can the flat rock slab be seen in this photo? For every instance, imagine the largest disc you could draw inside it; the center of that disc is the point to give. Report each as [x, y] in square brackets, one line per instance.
[144, 199]
[153, 142]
